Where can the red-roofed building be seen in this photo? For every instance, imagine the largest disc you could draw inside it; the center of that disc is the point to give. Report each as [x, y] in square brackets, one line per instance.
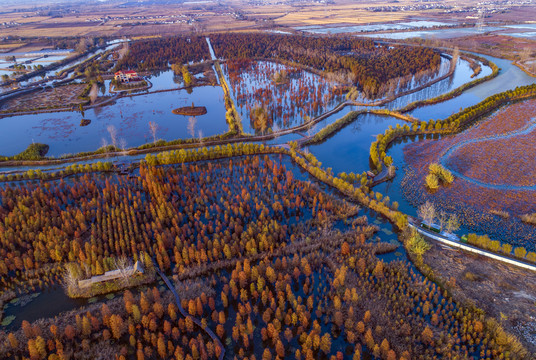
[126, 76]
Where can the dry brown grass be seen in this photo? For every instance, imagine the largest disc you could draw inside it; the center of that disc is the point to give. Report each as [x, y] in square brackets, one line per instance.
[500, 213]
[214, 17]
[504, 292]
[11, 46]
[529, 218]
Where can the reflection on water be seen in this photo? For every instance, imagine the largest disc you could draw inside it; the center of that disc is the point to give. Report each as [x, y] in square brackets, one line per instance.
[129, 115]
[316, 29]
[348, 150]
[509, 78]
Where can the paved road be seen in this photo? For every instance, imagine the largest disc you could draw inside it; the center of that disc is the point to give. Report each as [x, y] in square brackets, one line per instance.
[472, 249]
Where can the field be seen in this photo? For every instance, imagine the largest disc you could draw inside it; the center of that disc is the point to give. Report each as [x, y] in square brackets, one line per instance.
[155, 19]
[490, 174]
[505, 292]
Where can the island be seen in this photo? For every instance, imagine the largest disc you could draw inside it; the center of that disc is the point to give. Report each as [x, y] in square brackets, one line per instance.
[190, 110]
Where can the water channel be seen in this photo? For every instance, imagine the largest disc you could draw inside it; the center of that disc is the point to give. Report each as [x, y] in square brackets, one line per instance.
[347, 150]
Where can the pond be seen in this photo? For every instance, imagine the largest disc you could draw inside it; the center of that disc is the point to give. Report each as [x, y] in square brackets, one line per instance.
[348, 150]
[316, 29]
[510, 77]
[130, 116]
[462, 75]
[299, 94]
[434, 34]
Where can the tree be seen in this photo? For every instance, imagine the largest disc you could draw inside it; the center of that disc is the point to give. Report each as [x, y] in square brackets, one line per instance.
[186, 76]
[520, 252]
[453, 224]
[427, 336]
[325, 343]
[416, 244]
[154, 128]
[161, 346]
[13, 342]
[427, 212]
[266, 355]
[432, 182]
[86, 327]
[442, 218]
[116, 326]
[70, 332]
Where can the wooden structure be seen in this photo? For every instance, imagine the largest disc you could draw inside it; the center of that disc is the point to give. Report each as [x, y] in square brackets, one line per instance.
[129, 271]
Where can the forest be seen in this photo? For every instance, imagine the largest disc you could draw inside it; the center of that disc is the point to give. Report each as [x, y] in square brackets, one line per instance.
[246, 244]
[157, 54]
[367, 64]
[363, 62]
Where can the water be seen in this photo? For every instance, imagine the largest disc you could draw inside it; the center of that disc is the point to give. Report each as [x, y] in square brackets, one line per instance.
[315, 29]
[49, 303]
[304, 95]
[129, 115]
[348, 150]
[522, 26]
[433, 34]
[462, 75]
[509, 78]
[528, 35]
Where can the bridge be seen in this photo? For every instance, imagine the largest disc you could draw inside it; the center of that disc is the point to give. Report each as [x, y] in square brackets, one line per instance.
[171, 287]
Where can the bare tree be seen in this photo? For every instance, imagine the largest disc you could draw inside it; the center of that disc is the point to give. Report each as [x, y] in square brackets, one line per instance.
[94, 93]
[191, 125]
[123, 144]
[87, 271]
[442, 218]
[154, 128]
[124, 266]
[71, 277]
[124, 50]
[453, 224]
[275, 129]
[81, 47]
[427, 212]
[113, 134]
[455, 57]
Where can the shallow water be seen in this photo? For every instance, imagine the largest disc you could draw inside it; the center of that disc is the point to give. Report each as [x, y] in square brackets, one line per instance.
[433, 34]
[129, 115]
[316, 29]
[510, 77]
[348, 150]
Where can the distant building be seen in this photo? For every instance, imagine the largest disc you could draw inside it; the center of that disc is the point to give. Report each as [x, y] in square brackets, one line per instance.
[126, 76]
[129, 271]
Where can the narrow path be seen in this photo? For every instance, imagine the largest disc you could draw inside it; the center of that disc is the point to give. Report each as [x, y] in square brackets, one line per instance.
[446, 155]
[211, 49]
[171, 287]
[472, 249]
